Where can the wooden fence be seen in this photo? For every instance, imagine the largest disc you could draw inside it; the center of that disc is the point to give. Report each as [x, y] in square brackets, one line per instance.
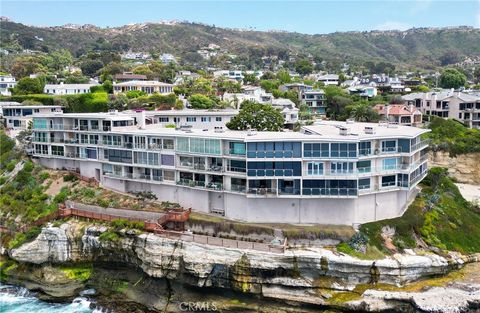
[157, 227]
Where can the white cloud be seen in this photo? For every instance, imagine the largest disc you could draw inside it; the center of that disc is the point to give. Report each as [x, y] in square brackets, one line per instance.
[392, 25]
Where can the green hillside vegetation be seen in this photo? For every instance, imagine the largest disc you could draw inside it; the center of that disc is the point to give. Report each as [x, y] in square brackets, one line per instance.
[425, 48]
[452, 136]
[440, 216]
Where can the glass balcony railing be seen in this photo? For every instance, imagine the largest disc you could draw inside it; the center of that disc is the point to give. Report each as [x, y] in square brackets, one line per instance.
[337, 192]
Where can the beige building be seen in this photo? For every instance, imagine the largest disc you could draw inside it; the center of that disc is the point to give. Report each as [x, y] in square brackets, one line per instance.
[460, 106]
[148, 86]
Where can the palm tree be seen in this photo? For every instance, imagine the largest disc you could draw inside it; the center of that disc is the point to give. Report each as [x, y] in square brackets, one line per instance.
[363, 112]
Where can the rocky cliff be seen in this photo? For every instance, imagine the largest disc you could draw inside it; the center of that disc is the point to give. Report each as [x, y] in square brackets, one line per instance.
[465, 168]
[302, 276]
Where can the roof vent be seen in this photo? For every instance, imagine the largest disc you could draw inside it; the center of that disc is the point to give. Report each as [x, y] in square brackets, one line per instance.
[112, 112]
[350, 120]
[219, 129]
[251, 132]
[186, 127]
[343, 131]
[382, 124]
[392, 125]
[369, 130]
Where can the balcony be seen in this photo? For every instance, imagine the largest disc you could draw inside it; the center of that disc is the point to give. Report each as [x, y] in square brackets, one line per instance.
[420, 145]
[191, 183]
[270, 154]
[236, 169]
[262, 191]
[332, 192]
[238, 188]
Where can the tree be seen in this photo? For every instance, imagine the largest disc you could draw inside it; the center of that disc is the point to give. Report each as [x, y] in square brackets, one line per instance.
[26, 65]
[284, 77]
[450, 57]
[249, 79]
[27, 85]
[303, 67]
[76, 78]
[58, 59]
[363, 112]
[476, 74]
[199, 101]
[90, 67]
[262, 117]
[452, 78]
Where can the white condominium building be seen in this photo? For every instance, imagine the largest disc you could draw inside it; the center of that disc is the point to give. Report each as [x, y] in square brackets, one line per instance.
[330, 173]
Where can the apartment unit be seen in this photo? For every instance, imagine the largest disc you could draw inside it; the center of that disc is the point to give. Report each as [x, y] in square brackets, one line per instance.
[67, 89]
[330, 173]
[231, 75]
[7, 82]
[147, 86]
[201, 119]
[315, 100]
[17, 116]
[401, 114]
[328, 79]
[460, 106]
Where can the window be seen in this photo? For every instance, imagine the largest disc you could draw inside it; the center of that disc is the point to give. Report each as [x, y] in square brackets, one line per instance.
[365, 148]
[169, 175]
[57, 150]
[341, 167]
[274, 149]
[314, 168]
[121, 156]
[163, 119]
[168, 144]
[237, 148]
[274, 169]
[39, 124]
[168, 160]
[364, 183]
[388, 181]
[218, 119]
[316, 150]
[364, 166]
[183, 144]
[402, 180]
[389, 164]
[41, 149]
[389, 146]
[40, 137]
[191, 119]
[206, 119]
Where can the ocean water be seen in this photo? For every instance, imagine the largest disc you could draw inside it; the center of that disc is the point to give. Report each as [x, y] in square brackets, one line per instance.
[20, 300]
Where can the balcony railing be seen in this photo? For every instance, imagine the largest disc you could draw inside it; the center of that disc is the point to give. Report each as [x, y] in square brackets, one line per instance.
[337, 192]
[262, 191]
[238, 188]
[270, 154]
[236, 169]
[420, 145]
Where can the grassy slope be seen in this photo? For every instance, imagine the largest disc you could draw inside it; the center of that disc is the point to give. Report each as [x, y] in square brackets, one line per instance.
[450, 223]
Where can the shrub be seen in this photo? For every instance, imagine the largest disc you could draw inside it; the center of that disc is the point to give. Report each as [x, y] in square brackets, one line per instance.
[109, 236]
[70, 178]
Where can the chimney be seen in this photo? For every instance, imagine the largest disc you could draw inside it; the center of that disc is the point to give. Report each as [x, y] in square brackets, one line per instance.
[141, 120]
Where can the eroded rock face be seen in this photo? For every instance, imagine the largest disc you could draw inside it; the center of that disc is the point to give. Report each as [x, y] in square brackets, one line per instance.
[298, 275]
[465, 168]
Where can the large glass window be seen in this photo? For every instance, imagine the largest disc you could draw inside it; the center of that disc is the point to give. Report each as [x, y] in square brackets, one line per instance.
[388, 181]
[274, 169]
[389, 146]
[389, 164]
[183, 144]
[364, 183]
[237, 148]
[278, 149]
[341, 167]
[365, 148]
[314, 168]
[168, 160]
[121, 156]
[39, 123]
[364, 166]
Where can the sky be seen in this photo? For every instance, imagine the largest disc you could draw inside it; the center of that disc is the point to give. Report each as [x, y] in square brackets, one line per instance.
[311, 17]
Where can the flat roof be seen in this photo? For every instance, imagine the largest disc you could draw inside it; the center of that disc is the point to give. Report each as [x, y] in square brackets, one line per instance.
[103, 115]
[325, 131]
[189, 112]
[142, 83]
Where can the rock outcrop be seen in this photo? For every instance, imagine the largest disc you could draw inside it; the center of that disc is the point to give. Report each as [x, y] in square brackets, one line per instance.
[308, 276]
[465, 168]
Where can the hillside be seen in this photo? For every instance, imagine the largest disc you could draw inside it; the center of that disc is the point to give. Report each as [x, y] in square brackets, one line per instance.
[421, 47]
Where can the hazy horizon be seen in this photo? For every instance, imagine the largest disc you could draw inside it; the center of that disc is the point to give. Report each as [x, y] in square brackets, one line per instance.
[308, 17]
